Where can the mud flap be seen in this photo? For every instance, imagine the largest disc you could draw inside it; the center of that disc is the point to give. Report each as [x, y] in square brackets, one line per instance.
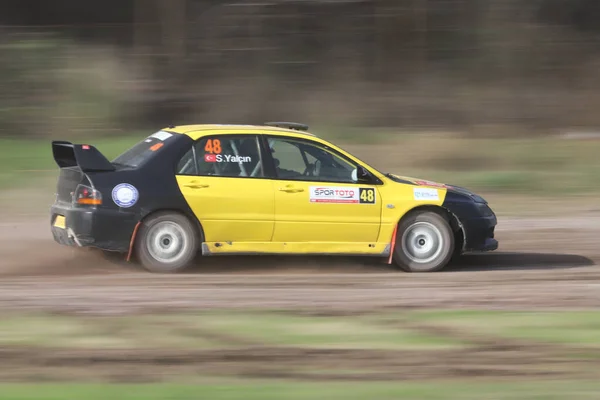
[392, 245]
[132, 241]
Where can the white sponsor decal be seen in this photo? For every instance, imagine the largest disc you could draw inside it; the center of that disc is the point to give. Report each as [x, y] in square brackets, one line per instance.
[426, 194]
[161, 135]
[125, 195]
[333, 194]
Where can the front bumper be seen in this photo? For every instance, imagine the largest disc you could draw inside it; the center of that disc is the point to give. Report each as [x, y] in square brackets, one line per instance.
[92, 227]
[479, 234]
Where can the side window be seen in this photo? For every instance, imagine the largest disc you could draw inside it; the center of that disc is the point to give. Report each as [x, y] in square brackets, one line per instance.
[288, 159]
[229, 155]
[187, 165]
[302, 160]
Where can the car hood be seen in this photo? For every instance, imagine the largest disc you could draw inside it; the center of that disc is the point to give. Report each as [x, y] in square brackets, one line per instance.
[451, 188]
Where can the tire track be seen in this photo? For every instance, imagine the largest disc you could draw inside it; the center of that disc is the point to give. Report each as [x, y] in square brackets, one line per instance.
[287, 362]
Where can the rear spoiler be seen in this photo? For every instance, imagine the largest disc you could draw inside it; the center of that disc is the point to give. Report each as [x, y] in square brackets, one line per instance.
[84, 156]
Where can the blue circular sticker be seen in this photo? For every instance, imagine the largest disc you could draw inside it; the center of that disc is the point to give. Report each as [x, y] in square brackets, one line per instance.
[125, 195]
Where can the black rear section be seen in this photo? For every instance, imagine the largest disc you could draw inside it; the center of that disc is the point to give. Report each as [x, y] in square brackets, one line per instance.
[87, 158]
[74, 160]
[68, 180]
[93, 214]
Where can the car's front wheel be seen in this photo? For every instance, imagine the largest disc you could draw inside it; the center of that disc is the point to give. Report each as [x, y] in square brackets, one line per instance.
[166, 243]
[424, 242]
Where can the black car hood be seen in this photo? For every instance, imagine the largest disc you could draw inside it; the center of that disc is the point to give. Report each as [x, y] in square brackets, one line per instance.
[458, 190]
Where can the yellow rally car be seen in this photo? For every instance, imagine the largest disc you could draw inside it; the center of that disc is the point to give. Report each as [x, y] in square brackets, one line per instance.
[272, 189]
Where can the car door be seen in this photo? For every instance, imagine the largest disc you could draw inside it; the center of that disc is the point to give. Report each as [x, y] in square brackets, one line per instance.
[317, 197]
[222, 178]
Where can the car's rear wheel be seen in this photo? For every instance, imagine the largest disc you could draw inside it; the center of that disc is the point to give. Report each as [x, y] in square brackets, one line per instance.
[424, 242]
[166, 243]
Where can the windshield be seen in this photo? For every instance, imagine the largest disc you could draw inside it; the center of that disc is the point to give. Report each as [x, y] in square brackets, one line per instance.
[143, 150]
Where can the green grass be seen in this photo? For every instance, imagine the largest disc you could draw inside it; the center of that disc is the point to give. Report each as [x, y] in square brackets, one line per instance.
[296, 391]
[211, 329]
[186, 331]
[23, 162]
[98, 333]
[330, 332]
[573, 328]
[532, 166]
[564, 174]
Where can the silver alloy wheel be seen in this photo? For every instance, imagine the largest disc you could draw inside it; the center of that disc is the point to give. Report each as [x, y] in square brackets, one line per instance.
[422, 242]
[167, 242]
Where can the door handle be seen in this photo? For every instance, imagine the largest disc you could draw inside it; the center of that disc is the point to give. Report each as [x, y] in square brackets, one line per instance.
[196, 186]
[291, 190]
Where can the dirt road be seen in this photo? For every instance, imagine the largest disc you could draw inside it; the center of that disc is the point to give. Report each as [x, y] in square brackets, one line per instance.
[542, 263]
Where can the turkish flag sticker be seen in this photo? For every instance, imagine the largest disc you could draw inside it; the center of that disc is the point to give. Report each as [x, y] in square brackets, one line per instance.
[210, 158]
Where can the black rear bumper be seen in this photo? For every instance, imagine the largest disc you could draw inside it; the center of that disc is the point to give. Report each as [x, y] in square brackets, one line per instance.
[93, 227]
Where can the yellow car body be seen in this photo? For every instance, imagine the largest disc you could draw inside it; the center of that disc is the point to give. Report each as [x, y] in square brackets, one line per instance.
[241, 215]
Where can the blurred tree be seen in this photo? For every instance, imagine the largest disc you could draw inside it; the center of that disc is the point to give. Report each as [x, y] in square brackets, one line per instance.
[455, 64]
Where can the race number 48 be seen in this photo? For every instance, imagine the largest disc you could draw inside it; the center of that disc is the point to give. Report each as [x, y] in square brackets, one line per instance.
[367, 196]
[213, 146]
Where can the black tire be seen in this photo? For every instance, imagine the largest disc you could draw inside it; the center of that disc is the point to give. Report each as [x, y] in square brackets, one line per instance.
[424, 242]
[163, 232]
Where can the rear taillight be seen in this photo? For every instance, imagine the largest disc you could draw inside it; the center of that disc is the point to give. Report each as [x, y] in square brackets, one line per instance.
[87, 195]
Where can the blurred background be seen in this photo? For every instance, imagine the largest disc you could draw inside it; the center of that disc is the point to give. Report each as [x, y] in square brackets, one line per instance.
[496, 95]
[479, 67]
[500, 96]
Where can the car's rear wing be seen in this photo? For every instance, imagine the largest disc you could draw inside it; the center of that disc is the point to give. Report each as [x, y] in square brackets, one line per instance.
[86, 157]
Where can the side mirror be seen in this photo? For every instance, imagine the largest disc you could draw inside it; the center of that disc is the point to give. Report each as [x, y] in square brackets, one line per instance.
[362, 175]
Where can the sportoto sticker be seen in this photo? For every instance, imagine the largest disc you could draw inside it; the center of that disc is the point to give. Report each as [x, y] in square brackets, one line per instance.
[342, 195]
[426, 194]
[125, 195]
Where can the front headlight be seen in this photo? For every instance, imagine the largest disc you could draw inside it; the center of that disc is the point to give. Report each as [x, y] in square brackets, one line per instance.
[484, 209]
[478, 199]
[465, 192]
